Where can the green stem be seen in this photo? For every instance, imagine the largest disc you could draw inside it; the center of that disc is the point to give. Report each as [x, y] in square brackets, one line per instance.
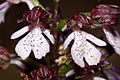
[37, 3]
[54, 48]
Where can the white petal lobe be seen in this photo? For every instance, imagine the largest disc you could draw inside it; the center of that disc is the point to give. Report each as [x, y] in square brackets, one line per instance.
[95, 40]
[68, 40]
[77, 50]
[77, 55]
[50, 36]
[92, 55]
[23, 48]
[39, 44]
[20, 32]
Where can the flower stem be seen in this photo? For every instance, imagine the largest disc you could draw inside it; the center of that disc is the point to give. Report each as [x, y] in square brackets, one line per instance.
[54, 48]
[37, 3]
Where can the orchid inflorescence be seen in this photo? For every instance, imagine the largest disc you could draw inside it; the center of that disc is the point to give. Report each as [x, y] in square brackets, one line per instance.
[76, 50]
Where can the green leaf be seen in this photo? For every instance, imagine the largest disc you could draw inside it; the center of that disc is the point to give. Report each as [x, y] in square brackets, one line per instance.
[61, 25]
[64, 69]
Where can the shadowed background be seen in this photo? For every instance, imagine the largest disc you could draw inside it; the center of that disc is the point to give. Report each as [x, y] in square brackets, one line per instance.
[68, 8]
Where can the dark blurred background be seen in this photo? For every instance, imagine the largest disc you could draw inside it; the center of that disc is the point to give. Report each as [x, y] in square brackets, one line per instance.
[67, 9]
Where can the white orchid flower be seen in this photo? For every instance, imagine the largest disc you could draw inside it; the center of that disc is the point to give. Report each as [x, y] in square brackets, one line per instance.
[33, 41]
[113, 38]
[82, 48]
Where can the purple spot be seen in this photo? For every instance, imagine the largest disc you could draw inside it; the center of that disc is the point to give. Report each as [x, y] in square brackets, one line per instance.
[37, 53]
[41, 43]
[40, 38]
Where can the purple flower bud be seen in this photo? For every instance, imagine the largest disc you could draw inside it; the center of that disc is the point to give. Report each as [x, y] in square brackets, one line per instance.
[36, 14]
[105, 14]
[44, 73]
[81, 19]
[4, 58]
[105, 9]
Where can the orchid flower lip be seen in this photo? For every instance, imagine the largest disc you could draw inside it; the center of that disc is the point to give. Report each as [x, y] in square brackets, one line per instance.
[33, 41]
[81, 48]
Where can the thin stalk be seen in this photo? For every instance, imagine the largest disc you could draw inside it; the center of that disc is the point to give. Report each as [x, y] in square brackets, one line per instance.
[54, 48]
[37, 3]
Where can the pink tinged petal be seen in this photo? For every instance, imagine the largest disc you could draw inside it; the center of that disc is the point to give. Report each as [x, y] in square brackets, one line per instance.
[23, 47]
[114, 40]
[92, 55]
[3, 9]
[39, 45]
[50, 36]
[29, 3]
[94, 39]
[20, 32]
[68, 40]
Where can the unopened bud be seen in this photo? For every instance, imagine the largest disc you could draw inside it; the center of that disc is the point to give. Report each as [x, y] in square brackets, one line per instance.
[4, 58]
